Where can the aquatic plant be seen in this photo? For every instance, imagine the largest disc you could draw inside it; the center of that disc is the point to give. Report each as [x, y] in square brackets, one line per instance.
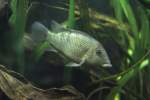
[18, 22]
[139, 50]
[71, 16]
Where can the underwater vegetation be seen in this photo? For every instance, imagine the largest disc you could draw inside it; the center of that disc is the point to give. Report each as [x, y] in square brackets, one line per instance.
[35, 68]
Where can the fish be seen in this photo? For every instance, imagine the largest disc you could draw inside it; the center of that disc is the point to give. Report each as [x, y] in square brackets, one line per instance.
[74, 45]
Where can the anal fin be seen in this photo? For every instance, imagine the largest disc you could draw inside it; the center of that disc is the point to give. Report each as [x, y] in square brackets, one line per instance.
[72, 64]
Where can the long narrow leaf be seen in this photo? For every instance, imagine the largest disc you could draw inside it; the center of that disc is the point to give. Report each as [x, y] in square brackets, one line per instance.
[18, 21]
[71, 19]
[130, 16]
[125, 78]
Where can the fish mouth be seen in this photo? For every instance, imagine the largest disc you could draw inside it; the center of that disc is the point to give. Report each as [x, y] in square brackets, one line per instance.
[107, 65]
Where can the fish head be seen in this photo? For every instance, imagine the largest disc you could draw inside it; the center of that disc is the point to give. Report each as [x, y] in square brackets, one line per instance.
[100, 57]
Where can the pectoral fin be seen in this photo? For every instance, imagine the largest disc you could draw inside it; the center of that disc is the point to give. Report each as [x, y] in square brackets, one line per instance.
[84, 58]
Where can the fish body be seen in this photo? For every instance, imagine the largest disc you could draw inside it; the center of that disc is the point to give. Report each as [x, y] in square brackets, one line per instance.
[74, 45]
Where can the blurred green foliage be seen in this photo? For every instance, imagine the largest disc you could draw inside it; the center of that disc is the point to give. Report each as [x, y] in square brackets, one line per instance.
[18, 22]
[71, 16]
[140, 49]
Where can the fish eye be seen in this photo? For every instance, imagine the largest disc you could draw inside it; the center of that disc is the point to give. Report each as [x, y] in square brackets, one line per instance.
[99, 52]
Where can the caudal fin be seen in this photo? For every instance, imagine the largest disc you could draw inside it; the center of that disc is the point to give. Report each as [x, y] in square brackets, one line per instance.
[39, 32]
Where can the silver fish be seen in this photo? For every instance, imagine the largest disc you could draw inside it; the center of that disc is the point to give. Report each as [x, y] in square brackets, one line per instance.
[74, 45]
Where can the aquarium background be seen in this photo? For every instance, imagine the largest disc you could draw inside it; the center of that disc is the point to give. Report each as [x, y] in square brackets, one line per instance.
[122, 26]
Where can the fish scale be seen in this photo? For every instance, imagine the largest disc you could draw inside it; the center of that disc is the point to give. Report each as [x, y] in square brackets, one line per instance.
[67, 42]
[72, 46]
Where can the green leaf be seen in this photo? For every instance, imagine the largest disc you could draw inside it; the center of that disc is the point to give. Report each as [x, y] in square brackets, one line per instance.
[39, 50]
[18, 22]
[145, 28]
[126, 77]
[71, 17]
[130, 16]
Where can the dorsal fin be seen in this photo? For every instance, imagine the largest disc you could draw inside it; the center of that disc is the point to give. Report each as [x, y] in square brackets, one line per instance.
[56, 27]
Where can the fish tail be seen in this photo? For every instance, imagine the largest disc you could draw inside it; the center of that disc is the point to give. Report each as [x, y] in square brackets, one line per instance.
[39, 32]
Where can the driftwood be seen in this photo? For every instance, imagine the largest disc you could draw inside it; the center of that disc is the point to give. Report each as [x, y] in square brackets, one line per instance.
[16, 87]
